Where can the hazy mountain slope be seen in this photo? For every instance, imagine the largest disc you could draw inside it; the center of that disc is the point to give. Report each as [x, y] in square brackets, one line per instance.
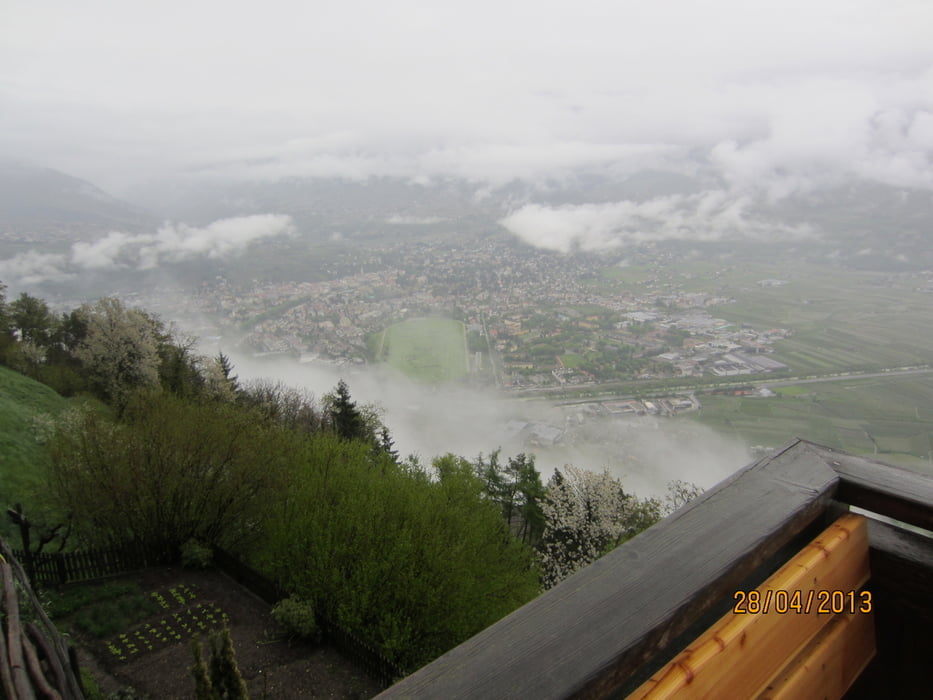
[36, 200]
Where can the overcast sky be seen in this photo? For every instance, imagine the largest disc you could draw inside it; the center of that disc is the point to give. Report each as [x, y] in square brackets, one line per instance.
[773, 96]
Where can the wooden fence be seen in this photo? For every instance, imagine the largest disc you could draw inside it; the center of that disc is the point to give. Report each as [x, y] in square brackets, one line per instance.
[55, 569]
[361, 652]
[333, 634]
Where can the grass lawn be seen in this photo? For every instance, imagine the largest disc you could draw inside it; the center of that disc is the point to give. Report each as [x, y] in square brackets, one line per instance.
[572, 361]
[23, 459]
[427, 349]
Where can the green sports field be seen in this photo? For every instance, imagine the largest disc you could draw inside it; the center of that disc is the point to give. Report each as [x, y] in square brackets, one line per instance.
[427, 349]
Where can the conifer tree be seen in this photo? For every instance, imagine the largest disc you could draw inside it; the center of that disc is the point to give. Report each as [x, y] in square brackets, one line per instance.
[387, 443]
[202, 679]
[345, 417]
[231, 686]
[226, 367]
[220, 679]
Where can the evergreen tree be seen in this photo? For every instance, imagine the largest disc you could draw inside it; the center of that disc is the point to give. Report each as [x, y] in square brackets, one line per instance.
[6, 337]
[387, 444]
[226, 368]
[517, 488]
[226, 680]
[220, 678]
[178, 368]
[530, 495]
[201, 674]
[345, 417]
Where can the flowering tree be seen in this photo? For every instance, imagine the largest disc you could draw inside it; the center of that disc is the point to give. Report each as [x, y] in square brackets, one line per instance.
[121, 349]
[586, 515]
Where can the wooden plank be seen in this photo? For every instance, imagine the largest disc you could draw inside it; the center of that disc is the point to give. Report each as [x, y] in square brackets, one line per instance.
[588, 635]
[740, 653]
[829, 664]
[896, 492]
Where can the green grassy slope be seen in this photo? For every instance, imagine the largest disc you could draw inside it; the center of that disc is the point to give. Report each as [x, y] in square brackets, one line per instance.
[22, 458]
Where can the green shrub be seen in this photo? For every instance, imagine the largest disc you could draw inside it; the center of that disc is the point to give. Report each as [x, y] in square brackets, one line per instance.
[89, 685]
[109, 617]
[410, 564]
[196, 555]
[297, 616]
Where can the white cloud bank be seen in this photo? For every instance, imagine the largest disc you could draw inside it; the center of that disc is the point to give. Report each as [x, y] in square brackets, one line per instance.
[775, 96]
[708, 216]
[171, 243]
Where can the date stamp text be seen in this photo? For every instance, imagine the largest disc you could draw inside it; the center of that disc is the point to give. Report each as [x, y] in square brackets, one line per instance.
[801, 602]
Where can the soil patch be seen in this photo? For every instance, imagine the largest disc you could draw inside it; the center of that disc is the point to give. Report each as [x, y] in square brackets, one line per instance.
[154, 655]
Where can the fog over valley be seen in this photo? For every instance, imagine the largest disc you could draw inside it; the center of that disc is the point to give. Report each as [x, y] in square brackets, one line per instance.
[425, 420]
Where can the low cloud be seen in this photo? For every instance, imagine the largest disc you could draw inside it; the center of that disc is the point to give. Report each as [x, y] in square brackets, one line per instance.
[171, 243]
[33, 267]
[178, 242]
[707, 216]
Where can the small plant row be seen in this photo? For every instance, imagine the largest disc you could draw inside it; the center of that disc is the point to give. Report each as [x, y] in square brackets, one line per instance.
[182, 595]
[171, 629]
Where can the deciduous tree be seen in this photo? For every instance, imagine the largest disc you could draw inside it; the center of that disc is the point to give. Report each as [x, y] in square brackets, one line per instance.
[171, 470]
[586, 515]
[31, 319]
[121, 349]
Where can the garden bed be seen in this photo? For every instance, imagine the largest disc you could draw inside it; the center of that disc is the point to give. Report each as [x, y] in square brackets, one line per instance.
[139, 635]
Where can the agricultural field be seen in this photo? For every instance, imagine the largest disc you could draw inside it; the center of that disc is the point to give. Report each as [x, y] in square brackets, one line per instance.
[887, 418]
[427, 349]
[840, 319]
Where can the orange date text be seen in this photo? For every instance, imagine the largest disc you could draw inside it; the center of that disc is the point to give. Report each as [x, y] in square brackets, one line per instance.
[801, 602]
